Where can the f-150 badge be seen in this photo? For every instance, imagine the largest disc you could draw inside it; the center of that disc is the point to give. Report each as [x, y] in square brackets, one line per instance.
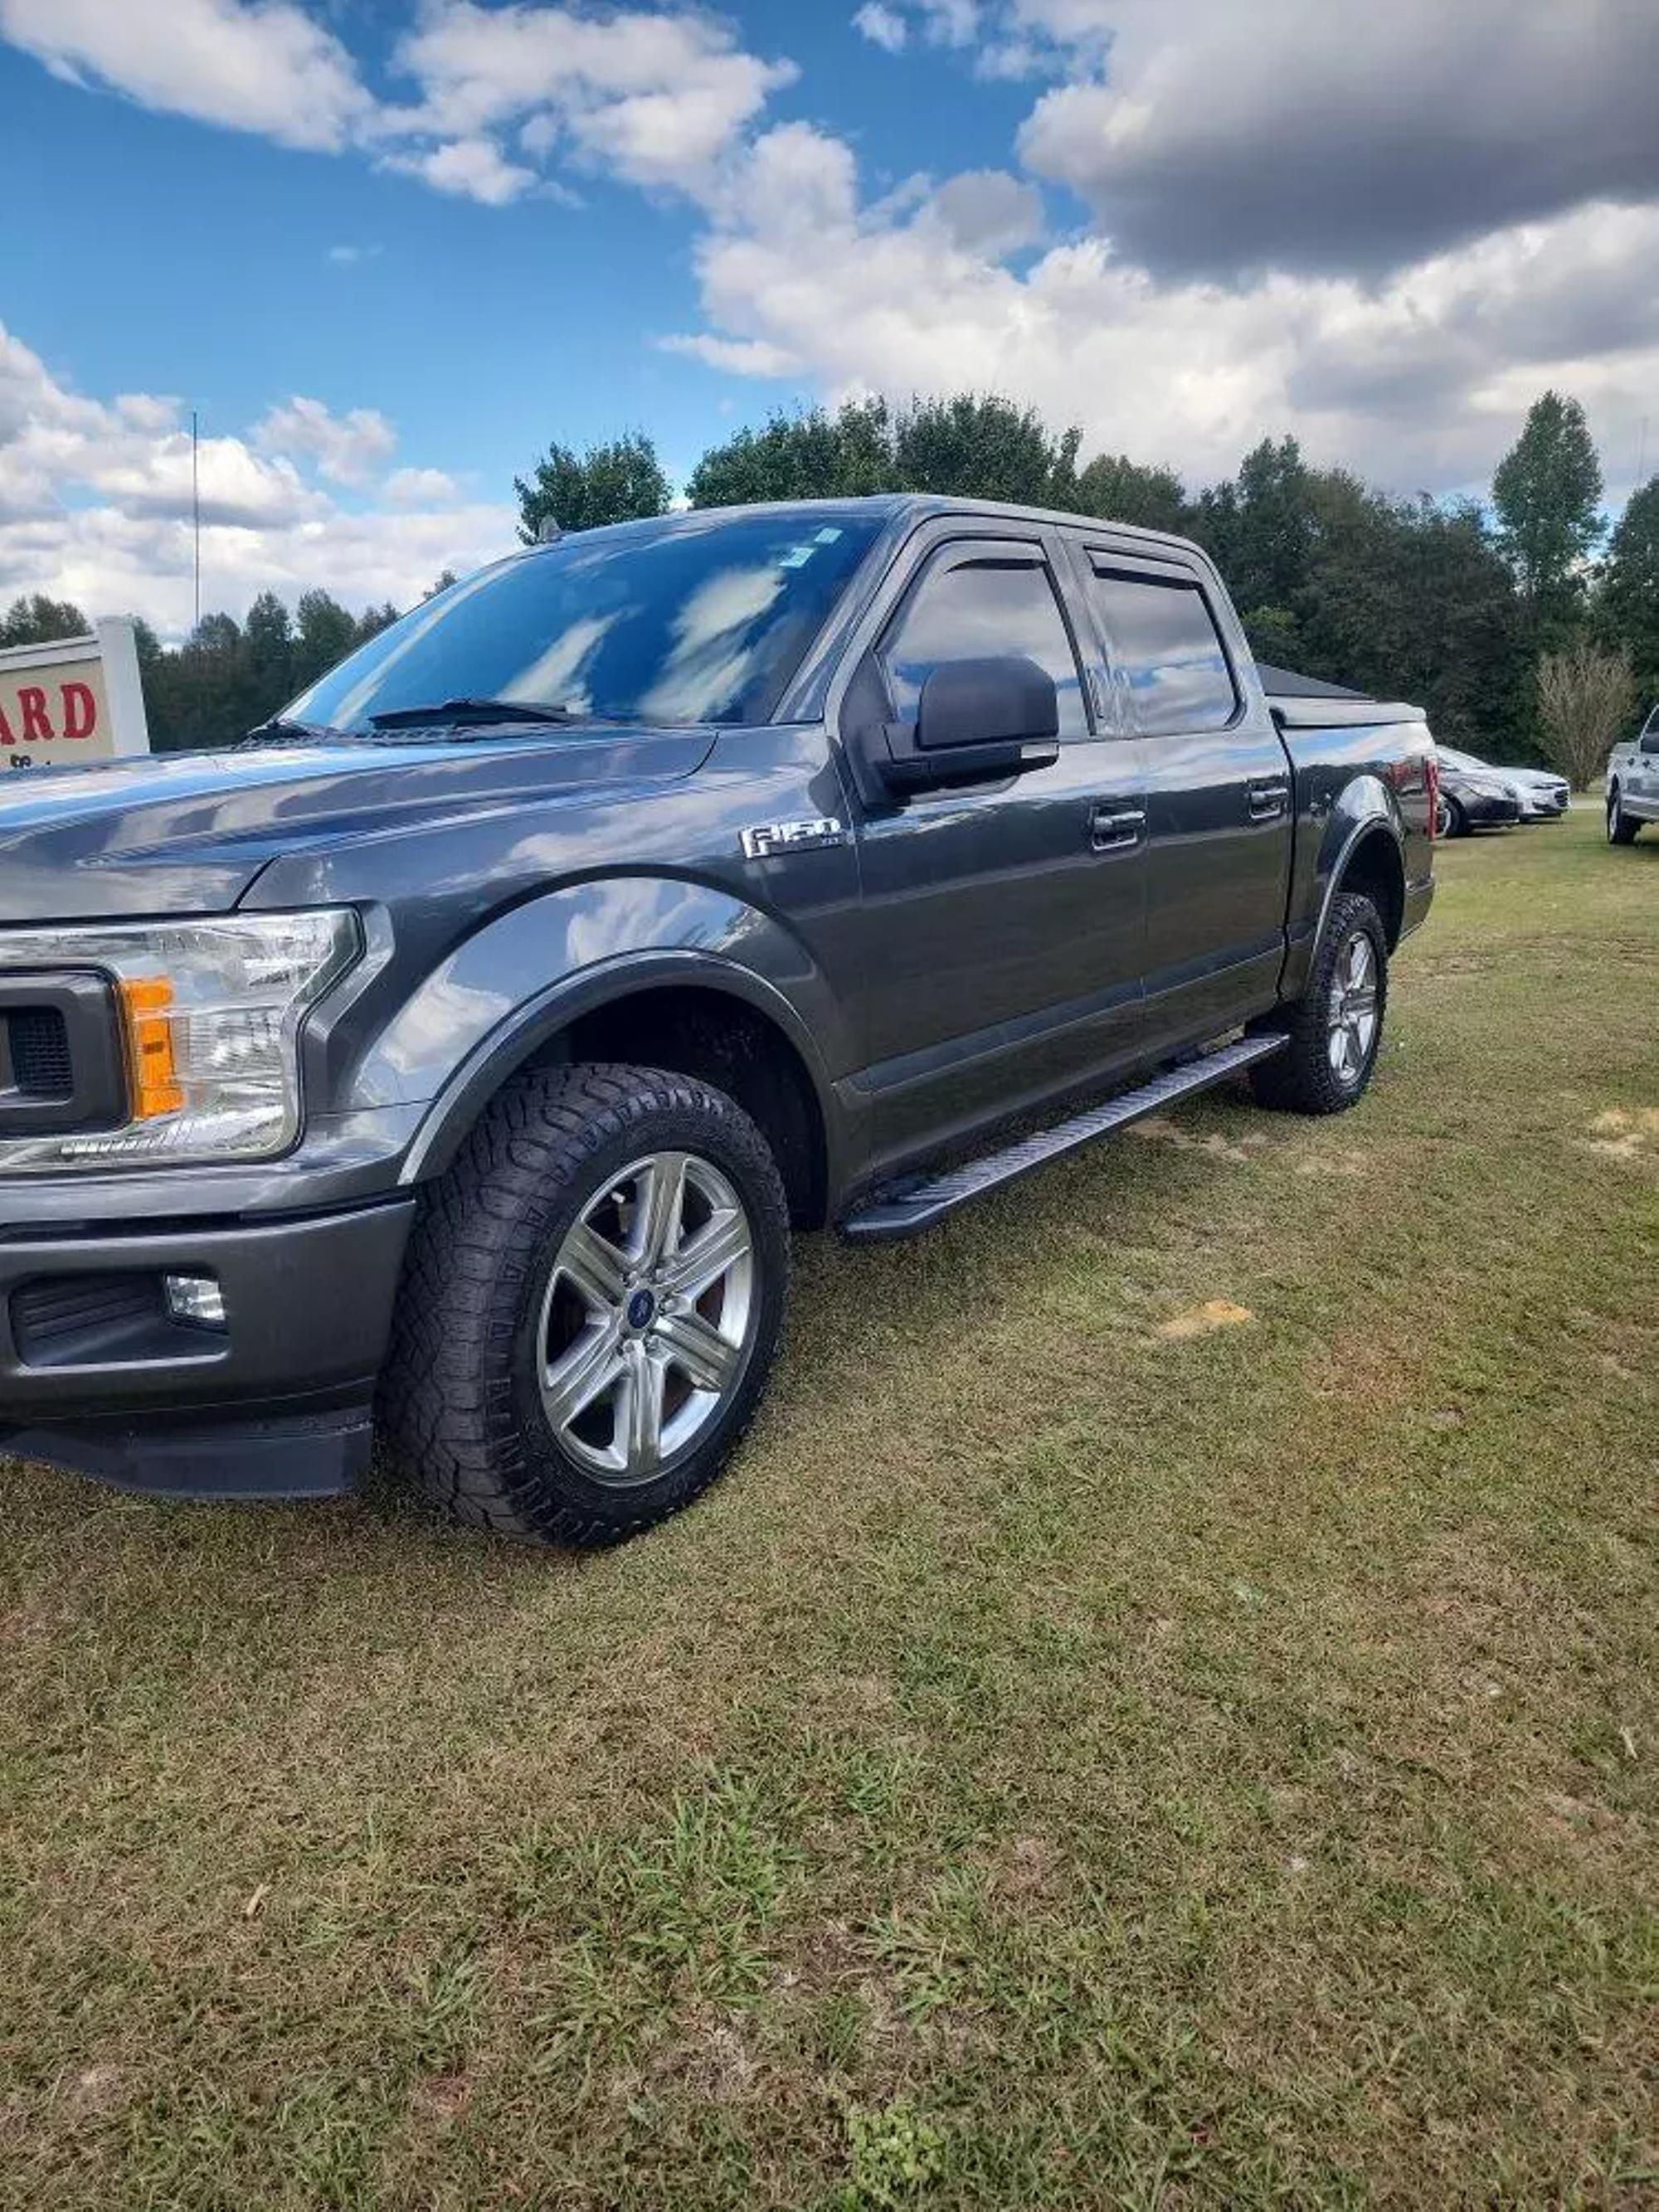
[768, 839]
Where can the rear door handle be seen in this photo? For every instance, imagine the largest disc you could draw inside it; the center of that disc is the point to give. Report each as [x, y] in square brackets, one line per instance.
[1115, 826]
[1269, 797]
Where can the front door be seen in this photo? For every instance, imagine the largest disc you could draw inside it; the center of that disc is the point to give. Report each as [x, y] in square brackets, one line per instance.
[1003, 921]
[1643, 777]
[1220, 805]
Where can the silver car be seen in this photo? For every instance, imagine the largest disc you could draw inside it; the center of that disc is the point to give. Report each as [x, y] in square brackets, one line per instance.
[1542, 794]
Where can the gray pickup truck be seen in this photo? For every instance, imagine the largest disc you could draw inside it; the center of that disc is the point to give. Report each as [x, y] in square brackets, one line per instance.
[1632, 783]
[455, 1054]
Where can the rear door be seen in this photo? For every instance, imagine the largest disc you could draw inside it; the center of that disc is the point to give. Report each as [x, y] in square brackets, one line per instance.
[1220, 809]
[1004, 920]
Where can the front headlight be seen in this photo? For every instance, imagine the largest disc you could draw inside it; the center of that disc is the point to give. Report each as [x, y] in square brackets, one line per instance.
[209, 1014]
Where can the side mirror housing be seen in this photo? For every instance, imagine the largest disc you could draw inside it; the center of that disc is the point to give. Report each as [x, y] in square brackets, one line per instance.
[977, 721]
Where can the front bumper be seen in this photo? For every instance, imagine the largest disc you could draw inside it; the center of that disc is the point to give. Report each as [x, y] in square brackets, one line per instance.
[95, 1374]
[1489, 809]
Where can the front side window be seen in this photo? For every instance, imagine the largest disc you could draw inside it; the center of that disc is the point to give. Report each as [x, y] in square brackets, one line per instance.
[1163, 639]
[977, 611]
[691, 620]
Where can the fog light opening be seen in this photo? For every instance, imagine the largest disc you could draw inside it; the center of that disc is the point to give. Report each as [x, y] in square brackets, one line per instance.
[198, 1301]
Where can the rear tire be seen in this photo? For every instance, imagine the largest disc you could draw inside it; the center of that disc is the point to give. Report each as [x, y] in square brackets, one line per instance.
[570, 1363]
[1335, 1028]
[1621, 830]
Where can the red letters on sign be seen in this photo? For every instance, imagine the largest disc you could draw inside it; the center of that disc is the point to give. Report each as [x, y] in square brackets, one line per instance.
[77, 705]
[33, 700]
[80, 710]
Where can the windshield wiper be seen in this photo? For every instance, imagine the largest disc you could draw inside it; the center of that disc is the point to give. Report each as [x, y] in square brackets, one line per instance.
[283, 730]
[473, 710]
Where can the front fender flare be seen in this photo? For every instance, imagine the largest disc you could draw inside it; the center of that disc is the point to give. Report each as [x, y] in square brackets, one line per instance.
[514, 985]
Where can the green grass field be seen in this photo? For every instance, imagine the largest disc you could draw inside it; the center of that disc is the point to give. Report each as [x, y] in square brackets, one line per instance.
[1090, 1751]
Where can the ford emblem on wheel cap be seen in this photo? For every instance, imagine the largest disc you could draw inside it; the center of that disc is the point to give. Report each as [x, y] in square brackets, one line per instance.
[641, 1307]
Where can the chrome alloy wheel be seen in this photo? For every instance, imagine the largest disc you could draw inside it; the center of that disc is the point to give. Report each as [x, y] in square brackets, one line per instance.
[647, 1319]
[1352, 1026]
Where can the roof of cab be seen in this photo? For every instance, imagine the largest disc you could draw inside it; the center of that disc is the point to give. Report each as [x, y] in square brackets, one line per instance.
[885, 506]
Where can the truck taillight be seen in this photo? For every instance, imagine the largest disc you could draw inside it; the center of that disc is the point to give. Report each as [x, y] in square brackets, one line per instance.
[1431, 785]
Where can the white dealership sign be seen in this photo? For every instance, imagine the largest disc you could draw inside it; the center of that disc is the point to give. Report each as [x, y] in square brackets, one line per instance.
[77, 699]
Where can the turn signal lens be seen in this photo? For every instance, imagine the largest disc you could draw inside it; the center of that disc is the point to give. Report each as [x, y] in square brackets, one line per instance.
[146, 1001]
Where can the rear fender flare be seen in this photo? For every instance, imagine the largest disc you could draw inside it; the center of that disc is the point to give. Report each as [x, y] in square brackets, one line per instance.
[1366, 810]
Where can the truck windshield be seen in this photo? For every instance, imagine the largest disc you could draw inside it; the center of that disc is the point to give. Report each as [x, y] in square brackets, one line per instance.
[693, 619]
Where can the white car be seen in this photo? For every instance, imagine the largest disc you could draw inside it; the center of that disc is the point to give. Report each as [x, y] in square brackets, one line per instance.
[1542, 795]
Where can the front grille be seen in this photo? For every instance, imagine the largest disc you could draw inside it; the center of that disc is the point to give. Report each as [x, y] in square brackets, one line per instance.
[41, 1067]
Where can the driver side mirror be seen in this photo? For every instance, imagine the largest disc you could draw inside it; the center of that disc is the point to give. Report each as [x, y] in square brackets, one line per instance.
[977, 721]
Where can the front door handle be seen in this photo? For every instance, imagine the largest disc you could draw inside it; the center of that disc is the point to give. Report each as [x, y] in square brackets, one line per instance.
[1269, 797]
[1115, 825]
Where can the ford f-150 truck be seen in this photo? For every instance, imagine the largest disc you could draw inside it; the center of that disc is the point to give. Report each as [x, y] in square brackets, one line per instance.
[455, 1054]
[1633, 783]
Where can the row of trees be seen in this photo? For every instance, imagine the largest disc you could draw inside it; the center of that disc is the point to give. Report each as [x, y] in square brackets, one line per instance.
[1453, 605]
[1458, 606]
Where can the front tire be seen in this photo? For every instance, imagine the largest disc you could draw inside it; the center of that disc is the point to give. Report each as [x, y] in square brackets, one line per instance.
[1335, 1028]
[592, 1305]
[1452, 821]
[1621, 830]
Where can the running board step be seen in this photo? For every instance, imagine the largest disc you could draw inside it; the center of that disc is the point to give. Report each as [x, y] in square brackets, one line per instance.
[909, 1209]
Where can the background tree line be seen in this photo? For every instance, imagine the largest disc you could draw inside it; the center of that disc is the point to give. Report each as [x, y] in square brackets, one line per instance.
[1457, 607]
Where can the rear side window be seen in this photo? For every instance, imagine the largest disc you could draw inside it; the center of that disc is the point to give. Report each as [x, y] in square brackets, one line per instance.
[971, 611]
[1163, 638]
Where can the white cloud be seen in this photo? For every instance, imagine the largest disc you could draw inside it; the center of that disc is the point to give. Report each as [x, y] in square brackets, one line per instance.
[268, 68]
[420, 487]
[883, 26]
[659, 97]
[739, 357]
[469, 168]
[350, 448]
[95, 500]
[347, 257]
[988, 212]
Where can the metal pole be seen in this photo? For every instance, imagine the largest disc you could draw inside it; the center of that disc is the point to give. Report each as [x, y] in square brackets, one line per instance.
[196, 512]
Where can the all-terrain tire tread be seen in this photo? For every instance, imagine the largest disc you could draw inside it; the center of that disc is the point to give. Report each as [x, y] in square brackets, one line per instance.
[446, 1397]
[1301, 1079]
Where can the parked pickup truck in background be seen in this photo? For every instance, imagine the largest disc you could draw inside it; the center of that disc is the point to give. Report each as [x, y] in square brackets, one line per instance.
[1633, 783]
[458, 1052]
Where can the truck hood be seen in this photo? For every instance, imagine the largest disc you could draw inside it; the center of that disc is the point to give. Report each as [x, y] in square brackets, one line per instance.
[187, 833]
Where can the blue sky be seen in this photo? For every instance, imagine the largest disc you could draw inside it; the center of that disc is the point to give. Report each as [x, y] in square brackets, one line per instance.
[390, 251]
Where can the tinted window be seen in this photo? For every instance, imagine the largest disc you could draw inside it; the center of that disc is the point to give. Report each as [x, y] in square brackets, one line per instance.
[1163, 639]
[692, 620]
[975, 609]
